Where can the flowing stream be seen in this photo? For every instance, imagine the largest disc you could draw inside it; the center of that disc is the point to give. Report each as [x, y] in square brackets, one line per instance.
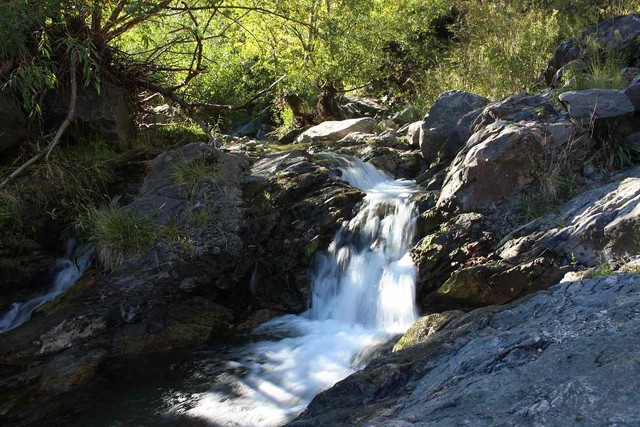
[65, 272]
[363, 294]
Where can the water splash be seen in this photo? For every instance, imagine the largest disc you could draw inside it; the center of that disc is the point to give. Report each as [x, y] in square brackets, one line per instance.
[363, 294]
[66, 270]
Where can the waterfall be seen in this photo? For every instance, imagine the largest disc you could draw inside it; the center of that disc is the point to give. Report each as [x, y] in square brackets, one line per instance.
[363, 294]
[65, 271]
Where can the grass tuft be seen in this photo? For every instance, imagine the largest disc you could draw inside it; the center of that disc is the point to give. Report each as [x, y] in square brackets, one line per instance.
[120, 235]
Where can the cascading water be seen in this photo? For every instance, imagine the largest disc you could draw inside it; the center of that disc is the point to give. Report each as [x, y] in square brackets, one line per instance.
[66, 271]
[363, 294]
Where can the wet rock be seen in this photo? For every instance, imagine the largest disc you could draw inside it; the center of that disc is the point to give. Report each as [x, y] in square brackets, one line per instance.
[24, 270]
[424, 327]
[442, 119]
[589, 106]
[336, 130]
[447, 248]
[558, 357]
[246, 238]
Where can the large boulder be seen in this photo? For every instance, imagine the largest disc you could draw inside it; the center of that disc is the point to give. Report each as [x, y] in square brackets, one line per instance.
[334, 131]
[441, 120]
[566, 356]
[13, 123]
[613, 35]
[497, 161]
[592, 105]
[106, 115]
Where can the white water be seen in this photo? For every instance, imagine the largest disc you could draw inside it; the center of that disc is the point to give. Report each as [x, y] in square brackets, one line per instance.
[67, 271]
[363, 294]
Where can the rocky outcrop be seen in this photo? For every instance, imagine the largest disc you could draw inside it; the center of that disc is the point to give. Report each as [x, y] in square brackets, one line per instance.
[562, 357]
[589, 106]
[441, 120]
[613, 35]
[334, 131]
[245, 236]
[598, 225]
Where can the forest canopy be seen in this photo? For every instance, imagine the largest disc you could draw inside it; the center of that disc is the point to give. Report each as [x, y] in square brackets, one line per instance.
[220, 53]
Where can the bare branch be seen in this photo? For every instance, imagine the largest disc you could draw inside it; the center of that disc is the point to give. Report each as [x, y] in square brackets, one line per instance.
[71, 114]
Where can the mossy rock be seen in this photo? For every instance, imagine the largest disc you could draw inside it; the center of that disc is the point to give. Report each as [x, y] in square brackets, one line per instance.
[424, 327]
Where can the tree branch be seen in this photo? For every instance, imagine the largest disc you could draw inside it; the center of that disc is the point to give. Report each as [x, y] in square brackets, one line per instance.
[71, 114]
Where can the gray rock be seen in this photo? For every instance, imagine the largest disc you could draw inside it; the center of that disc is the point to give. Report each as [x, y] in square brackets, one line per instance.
[106, 115]
[614, 35]
[523, 107]
[588, 106]
[408, 115]
[633, 93]
[598, 225]
[568, 71]
[492, 166]
[334, 131]
[13, 124]
[413, 134]
[442, 118]
[566, 356]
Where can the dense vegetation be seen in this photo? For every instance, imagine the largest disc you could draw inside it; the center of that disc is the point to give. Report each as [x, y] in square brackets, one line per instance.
[215, 58]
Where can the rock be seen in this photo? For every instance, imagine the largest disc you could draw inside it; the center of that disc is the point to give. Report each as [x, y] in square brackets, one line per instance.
[630, 74]
[565, 356]
[492, 166]
[424, 327]
[291, 136]
[160, 114]
[336, 130]
[104, 116]
[588, 106]
[442, 118]
[24, 270]
[13, 124]
[615, 35]
[408, 115]
[490, 284]
[388, 125]
[352, 107]
[257, 126]
[244, 240]
[633, 93]
[569, 71]
[446, 248]
[598, 225]
[523, 107]
[413, 134]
